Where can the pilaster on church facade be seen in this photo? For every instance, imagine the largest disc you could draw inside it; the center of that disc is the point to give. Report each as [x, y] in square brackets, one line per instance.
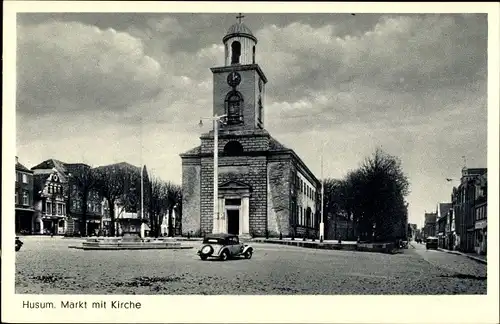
[264, 188]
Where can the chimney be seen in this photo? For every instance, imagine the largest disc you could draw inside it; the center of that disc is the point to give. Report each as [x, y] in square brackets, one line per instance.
[17, 159]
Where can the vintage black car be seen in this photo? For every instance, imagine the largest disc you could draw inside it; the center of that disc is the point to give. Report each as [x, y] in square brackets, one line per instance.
[431, 243]
[223, 247]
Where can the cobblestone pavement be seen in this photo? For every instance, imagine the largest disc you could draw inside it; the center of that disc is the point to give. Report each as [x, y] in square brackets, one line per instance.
[451, 262]
[48, 266]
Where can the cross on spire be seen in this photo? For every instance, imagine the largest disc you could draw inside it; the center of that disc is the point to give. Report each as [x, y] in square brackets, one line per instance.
[239, 17]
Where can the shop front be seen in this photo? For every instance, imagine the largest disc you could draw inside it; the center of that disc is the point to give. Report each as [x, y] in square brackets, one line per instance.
[480, 233]
[52, 226]
[23, 221]
[441, 240]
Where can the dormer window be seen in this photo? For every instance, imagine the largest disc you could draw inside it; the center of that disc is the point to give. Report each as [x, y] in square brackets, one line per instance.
[234, 105]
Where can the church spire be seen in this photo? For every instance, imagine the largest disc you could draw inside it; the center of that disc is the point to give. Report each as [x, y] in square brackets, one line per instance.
[239, 17]
[239, 43]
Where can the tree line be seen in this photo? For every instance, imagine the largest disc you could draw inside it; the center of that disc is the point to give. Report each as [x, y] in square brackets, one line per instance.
[371, 198]
[121, 183]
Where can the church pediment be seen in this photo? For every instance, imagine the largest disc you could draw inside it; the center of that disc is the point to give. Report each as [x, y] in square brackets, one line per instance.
[235, 186]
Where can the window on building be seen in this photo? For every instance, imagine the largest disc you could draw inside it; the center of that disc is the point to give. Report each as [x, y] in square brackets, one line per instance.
[260, 110]
[253, 54]
[59, 209]
[25, 178]
[64, 209]
[233, 202]
[236, 52]
[17, 176]
[233, 148]
[234, 104]
[54, 209]
[26, 198]
[16, 197]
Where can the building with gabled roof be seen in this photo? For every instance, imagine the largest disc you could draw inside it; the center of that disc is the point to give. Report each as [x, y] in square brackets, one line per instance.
[59, 202]
[23, 198]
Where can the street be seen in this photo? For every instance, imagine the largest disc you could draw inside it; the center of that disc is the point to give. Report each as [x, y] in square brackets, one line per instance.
[47, 266]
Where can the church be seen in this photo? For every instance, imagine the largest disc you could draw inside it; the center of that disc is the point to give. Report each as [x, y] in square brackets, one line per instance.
[264, 188]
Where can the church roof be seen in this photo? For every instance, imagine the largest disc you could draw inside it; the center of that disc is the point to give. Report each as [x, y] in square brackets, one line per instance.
[50, 164]
[275, 145]
[194, 151]
[239, 29]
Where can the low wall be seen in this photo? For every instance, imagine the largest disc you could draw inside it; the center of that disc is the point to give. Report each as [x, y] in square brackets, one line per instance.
[362, 247]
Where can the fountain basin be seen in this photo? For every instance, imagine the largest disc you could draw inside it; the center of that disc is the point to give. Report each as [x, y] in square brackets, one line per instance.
[129, 243]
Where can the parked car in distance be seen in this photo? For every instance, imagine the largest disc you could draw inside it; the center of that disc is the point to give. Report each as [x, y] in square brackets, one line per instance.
[431, 242]
[19, 243]
[223, 247]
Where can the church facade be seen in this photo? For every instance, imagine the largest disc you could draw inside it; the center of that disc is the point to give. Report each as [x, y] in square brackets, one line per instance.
[263, 186]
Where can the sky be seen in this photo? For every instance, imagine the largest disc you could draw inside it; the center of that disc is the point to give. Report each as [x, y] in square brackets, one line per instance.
[106, 88]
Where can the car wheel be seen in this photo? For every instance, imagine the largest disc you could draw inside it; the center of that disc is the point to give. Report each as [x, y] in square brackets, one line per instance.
[248, 254]
[224, 255]
[203, 257]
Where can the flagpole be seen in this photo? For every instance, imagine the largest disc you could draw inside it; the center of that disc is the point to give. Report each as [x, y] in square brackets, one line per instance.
[142, 192]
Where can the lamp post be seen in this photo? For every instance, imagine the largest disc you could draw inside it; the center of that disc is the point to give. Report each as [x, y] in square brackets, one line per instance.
[322, 224]
[216, 120]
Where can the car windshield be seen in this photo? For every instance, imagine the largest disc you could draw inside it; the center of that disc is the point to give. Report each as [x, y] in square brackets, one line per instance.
[212, 240]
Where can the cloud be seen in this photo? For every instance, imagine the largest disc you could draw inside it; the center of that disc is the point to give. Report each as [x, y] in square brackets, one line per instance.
[399, 56]
[70, 66]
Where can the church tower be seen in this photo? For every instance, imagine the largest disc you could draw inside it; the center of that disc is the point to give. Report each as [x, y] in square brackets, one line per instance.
[239, 85]
[256, 185]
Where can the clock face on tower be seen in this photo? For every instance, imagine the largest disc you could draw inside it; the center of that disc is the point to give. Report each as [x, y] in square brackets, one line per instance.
[233, 79]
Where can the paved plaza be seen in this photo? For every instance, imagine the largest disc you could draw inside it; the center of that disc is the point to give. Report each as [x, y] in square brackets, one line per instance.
[47, 266]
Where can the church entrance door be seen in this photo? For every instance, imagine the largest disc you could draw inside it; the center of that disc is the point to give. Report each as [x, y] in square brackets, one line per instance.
[233, 221]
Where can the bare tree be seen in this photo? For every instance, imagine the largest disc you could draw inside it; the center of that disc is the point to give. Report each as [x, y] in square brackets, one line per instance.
[373, 197]
[164, 197]
[84, 179]
[174, 196]
[114, 183]
[158, 203]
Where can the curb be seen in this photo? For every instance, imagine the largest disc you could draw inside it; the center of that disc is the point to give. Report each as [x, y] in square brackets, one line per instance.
[379, 248]
[465, 255]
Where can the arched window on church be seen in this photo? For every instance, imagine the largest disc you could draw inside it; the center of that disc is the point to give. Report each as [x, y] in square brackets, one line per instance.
[235, 52]
[233, 148]
[234, 104]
